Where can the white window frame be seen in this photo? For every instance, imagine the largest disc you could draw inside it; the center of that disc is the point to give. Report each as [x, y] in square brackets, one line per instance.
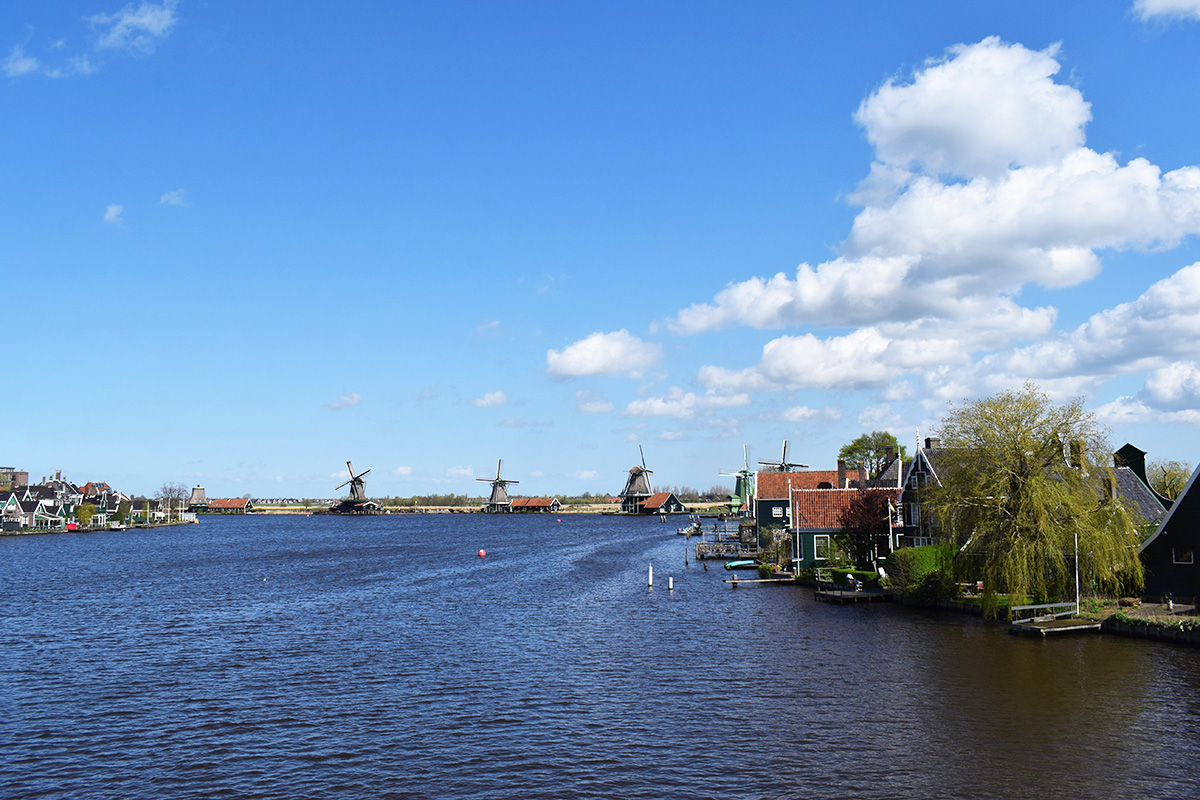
[817, 547]
[1191, 557]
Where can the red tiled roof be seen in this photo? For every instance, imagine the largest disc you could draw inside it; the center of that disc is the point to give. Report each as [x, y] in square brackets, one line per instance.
[519, 502]
[656, 500]
[775, 485]
[223, 502]
[540, 502]
[821, 509]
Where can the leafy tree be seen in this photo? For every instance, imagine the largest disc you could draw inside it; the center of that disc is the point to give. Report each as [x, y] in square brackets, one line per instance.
[1168, 477]
[123, 510]
[84, 513]
[1017, 486]
[871, 449]
[863, 522]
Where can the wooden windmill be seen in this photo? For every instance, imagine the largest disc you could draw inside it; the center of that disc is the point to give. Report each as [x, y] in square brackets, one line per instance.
[782, 465]
[357, 503]
[637, 487]
[358, 490]
[498, 502]
[741, 502]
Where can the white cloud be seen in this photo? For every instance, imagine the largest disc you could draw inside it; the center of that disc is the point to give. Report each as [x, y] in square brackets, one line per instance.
[981, 186]
[345, 401]
[135, 27]
[589, 402]
[490, 400]
[685, 405]
[175, 197]
[603, 354]
[402, 471]
[1186, 9]
[798, 414]
[18, 63]
[460, 472]
[112, 214]
[879, 417]
[978, 111]
[1175, 387]
[587, 475]
[670, 436]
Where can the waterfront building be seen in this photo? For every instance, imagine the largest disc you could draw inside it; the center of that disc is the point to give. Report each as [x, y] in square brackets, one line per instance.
[230, 505]
[539, 505]
[1169, 555]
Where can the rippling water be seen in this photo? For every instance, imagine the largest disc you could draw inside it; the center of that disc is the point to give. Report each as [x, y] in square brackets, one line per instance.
[292, 657]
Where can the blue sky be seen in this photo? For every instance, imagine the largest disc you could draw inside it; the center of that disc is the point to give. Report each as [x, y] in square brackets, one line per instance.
[243, 245]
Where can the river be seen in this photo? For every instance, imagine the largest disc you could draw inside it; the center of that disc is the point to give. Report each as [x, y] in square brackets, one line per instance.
[325, 657]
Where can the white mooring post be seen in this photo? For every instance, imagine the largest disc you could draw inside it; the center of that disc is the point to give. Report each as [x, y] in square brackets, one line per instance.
[650, 580]
[671, 583]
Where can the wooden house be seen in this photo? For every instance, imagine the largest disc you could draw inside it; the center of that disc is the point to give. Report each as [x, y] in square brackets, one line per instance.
[234, 505]
[1169, 555]
[662, 503]
[537, 505]
[817, 518]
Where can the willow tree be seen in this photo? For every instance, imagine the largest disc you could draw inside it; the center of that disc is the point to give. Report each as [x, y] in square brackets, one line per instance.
[1020, 479]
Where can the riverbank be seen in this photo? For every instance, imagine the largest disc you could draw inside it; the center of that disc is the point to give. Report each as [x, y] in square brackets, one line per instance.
[123, 529]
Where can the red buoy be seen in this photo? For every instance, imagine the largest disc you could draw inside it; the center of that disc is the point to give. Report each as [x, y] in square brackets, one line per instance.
[482, 553]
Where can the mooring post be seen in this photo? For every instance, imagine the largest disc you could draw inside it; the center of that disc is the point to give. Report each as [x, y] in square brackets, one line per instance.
[650, 579]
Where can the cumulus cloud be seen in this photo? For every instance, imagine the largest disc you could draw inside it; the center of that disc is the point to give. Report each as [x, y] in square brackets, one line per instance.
[1184, 9]
[799, 414]
[460, 472]
[685, 405]
[982, 185]
[402, 471]
[490, 400]
[112, 214]
[587, 475]
[617, 353]
[135, 27]
[345, 401]
[977, 111]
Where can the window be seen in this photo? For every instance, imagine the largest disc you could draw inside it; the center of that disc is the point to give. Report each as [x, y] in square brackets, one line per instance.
[777, 511]
[821, 548]
[1182, 555]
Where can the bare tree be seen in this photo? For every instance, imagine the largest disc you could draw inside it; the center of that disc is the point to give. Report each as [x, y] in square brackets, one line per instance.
[173, 496]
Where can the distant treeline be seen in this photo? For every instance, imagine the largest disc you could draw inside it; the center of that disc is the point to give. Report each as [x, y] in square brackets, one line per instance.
[686, 494]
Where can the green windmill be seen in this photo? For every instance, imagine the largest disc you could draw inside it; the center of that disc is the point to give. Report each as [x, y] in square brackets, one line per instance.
[741, 502]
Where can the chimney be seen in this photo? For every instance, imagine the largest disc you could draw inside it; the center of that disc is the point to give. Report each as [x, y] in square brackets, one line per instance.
[1112, 485]
[841, 484]
[890, 454]
[862, 474]
[931, 443]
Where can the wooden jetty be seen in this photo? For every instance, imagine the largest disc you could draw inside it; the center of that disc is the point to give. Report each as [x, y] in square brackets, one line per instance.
[1047, 622]
[1051, 627]
[845, 596]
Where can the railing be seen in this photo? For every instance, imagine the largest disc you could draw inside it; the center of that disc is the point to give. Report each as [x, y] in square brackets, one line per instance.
[1072, 610]
[725, 549]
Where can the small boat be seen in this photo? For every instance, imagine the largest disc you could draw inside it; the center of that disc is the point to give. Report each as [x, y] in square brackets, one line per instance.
[749, 563]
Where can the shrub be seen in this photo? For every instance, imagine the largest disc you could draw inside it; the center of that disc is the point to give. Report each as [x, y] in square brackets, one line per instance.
[908, 566]
[870, 580]
[935, 587]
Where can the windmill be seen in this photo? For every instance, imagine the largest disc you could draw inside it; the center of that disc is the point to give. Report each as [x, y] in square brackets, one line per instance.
[782, 465]
[358, 491]
[637, 487]
[743, 487]
[357, 503]
[499, 501]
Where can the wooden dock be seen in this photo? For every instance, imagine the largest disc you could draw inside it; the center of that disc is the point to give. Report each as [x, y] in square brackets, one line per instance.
[1053, 627]
[846, 596]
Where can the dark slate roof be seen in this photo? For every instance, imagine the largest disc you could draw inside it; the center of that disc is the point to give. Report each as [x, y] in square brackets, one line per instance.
[1137, 496]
